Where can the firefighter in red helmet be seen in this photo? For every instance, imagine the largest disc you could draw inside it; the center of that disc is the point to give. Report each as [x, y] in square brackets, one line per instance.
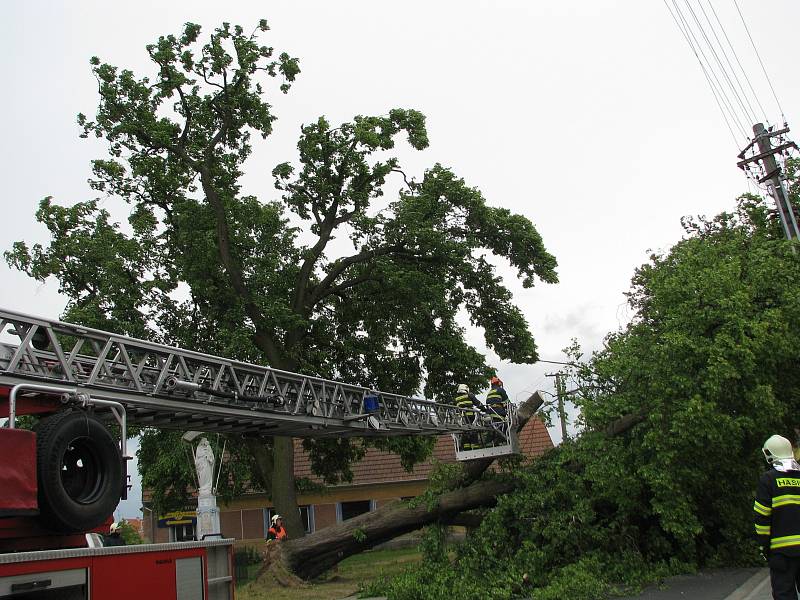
[497, 400]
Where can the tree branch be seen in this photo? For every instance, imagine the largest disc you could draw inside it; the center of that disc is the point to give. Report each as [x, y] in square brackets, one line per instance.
[263, 339]
[341, 265]
[345, 285]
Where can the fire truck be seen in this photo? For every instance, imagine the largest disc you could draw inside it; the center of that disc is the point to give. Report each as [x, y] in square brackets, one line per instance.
[61, 480]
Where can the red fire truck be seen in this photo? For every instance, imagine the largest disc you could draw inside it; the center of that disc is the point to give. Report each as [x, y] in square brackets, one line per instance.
[62, 479]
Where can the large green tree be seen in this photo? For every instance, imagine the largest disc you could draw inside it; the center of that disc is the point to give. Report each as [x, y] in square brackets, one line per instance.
[707, 369]
[329, 277]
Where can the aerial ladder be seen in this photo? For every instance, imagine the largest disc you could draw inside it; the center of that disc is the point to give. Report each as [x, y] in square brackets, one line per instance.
[48, 366]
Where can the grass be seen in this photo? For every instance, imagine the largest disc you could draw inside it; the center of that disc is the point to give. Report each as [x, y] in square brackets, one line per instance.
[340, 582]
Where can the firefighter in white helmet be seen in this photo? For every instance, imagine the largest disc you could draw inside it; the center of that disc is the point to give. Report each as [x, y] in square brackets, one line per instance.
[777, 517]
[277, 531]
[114, 537]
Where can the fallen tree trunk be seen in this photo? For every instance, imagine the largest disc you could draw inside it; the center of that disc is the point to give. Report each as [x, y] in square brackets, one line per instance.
[313, 554]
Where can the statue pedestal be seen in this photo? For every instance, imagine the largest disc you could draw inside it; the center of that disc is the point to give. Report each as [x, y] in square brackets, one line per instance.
[207, 517]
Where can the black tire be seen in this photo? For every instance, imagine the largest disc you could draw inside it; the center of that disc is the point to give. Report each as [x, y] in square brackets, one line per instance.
[79, 471]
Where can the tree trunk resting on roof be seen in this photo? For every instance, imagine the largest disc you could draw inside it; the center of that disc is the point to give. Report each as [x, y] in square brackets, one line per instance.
[312, 555]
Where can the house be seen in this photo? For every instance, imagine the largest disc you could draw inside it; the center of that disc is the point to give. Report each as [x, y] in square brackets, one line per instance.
[377, 479]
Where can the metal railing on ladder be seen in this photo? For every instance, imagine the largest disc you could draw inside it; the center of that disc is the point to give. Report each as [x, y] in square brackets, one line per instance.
[497, 437]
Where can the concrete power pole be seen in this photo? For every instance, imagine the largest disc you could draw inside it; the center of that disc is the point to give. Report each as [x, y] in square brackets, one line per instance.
[772, 174]
[560, 393]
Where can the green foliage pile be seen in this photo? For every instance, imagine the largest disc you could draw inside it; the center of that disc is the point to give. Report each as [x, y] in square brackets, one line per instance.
[710, 365]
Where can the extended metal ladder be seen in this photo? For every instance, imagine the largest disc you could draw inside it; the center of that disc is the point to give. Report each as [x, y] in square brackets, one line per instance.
[166, 387]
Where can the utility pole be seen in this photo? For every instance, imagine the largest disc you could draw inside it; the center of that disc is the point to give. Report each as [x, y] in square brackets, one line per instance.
[560, 393]
[771, 173]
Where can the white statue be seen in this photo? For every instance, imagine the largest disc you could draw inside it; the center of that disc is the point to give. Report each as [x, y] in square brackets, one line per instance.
[204, 463]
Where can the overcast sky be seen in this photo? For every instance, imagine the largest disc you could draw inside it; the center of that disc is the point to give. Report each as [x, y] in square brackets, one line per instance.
[590, 117]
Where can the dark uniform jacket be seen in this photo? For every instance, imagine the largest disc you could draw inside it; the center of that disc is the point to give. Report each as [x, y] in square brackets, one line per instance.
[496, 400]
[113, 539]
[777, 512]
[469, 401]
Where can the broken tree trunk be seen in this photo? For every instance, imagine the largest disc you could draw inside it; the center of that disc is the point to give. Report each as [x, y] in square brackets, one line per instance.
[313, 554]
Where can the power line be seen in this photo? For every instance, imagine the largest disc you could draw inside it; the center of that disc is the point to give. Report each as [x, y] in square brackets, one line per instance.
[556, 362]
[684, 29]
[725, 75]
[739, 62]
[721, 87]
[763, 68]
[713, 91]
[752, 113]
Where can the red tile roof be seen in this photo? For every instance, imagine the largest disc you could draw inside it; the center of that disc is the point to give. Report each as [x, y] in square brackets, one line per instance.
[379, 466]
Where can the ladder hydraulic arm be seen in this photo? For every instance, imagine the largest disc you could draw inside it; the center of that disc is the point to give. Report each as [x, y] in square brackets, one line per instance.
[166, 387]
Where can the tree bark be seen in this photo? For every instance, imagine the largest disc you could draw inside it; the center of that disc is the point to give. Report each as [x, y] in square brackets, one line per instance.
[623, 424]
[284, 493]
[312, 555]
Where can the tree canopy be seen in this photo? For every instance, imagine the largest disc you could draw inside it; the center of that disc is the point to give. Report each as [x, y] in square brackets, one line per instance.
[328, 277]
[708, 367]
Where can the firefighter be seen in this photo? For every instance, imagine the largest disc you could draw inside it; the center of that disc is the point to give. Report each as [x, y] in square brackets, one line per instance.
[277, 531]
[777, 517]
[466, 399]
[114, 537]
[497, 400]
[496, 407]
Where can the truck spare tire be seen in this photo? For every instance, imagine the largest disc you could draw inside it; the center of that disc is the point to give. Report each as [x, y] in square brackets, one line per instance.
[79, 471]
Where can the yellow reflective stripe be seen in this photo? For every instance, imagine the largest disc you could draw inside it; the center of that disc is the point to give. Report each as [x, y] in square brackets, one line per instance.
[462, 401]
[784, 542]
[785, 500]
[761, 509]
[763, 529]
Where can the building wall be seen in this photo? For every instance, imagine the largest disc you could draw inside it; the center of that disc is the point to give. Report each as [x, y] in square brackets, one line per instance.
[324, 515]
[243, 518]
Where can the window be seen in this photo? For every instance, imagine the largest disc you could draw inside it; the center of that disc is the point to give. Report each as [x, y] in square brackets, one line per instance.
[182, 533]
[348, 510]
[306, 518]
[69, 584]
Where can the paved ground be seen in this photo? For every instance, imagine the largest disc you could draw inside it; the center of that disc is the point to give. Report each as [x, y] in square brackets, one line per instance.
[723, 584]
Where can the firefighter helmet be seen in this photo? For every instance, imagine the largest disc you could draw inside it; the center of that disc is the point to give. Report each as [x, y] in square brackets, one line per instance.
[777, 447]
[463, 388]
[275, 518]
[115, 527]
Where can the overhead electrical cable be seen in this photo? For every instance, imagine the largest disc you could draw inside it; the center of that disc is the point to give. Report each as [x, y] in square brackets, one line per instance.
[739, 62]
[734, 93]
[705, 73]
[730, 103]
[708, 70]
[763, 68]
[741, 93]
